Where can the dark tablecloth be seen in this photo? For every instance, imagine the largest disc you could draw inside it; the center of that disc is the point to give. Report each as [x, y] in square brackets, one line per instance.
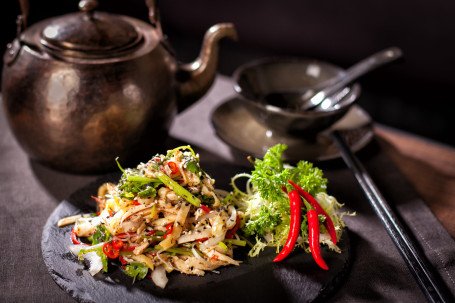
[30, 192]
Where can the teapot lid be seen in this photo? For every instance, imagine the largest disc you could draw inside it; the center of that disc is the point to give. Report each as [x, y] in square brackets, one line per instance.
[89, 34]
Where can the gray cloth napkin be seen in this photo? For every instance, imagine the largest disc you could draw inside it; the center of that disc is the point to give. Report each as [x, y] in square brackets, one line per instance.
[30, 192]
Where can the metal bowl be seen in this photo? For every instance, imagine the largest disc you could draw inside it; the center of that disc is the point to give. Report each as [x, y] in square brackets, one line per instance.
[262, 77]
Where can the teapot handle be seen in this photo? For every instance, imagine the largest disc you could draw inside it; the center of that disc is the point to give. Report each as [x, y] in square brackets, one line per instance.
[13, 48]
[25, 8]
[154, 15]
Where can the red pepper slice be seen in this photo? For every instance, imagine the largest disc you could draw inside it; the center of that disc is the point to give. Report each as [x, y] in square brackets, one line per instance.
[313, 234]
[230, 233]
[96, 198]
[123, 261]
[205, 208]
[169, 229]
[110, 251]
[125, 235]
[173, 167]
[74, 237]
[129, 248]
[328, 223]
[294, 230]
[117, 243]
[136, 203]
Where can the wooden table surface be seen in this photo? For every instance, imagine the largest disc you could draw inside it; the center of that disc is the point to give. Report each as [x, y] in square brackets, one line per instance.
[429, 167]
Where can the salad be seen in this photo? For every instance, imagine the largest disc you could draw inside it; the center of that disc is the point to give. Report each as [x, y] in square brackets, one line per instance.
[275, 196]
[163, 216]
[166, 215]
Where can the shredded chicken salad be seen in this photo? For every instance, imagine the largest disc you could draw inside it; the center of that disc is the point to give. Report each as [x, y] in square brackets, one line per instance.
[163, 216]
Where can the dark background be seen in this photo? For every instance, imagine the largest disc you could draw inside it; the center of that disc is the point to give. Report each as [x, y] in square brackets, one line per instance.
[415, 94]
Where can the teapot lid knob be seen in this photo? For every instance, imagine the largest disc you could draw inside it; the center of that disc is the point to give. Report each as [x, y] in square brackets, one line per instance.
[88, 5]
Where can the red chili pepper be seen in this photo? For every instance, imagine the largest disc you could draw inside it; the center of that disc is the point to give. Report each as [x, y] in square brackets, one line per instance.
[125, 235]
[110, 251]
[96, 198]
[294, 230]
[328, 223]
[74, 237]
[313, 235]
[205, 208]
[129, 248]
[117, 243]
[169, 229]
[230, 233]
[173, 167]
[136, 203]
[122, 260]
[202, 239]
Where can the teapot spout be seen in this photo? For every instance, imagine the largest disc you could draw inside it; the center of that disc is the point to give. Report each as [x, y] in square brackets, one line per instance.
[195, 78]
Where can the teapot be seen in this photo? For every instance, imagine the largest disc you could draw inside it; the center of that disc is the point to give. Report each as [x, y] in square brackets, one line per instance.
[84, 88]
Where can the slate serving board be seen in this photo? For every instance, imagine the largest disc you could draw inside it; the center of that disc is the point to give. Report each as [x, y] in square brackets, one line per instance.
[297, 279]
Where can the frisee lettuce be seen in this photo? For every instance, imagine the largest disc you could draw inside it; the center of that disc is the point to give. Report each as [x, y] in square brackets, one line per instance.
[266, 204]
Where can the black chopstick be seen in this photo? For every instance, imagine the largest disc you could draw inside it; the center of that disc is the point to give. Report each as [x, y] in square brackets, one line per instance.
[431, 284]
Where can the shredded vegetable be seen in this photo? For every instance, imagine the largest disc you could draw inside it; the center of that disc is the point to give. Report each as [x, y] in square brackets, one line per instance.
[162, 216]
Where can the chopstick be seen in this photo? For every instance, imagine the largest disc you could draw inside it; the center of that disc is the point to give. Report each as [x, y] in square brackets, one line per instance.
[430, 283]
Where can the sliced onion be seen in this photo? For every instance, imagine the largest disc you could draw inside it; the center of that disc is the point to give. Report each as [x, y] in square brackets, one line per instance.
[221, 193]
[195, 253]
[218, 225]
[159, 276]
[95, 262]
[76, 248]
[212, 241]
[206, 216]
[233, 218]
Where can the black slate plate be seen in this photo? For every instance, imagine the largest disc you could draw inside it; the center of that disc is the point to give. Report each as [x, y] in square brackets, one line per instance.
[297, 279]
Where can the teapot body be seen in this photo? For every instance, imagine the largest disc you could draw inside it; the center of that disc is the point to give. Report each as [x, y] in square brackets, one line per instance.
[79, 114]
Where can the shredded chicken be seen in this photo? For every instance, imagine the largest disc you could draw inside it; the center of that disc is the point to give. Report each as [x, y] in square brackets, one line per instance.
[160, 226]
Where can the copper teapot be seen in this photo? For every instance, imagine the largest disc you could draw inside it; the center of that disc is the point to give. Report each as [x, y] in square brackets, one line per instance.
[84, 88]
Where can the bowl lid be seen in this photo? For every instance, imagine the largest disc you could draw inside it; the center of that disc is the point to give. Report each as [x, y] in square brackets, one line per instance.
[88, 33]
